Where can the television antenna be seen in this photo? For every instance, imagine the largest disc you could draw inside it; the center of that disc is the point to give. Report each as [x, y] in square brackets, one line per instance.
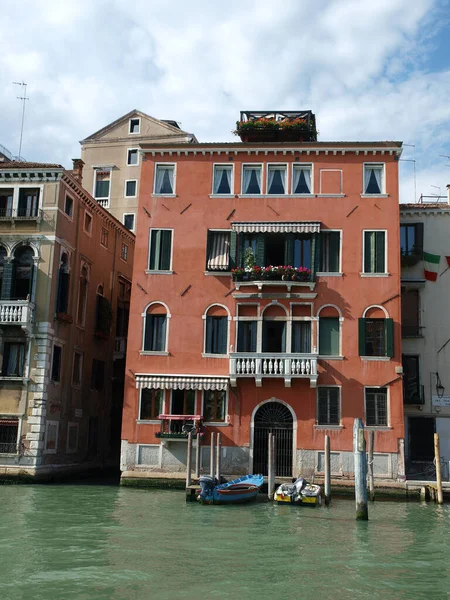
[24, 98]
[413, 160]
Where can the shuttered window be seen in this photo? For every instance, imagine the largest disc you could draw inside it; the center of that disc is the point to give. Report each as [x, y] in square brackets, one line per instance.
[301, 337]
[410, 313]
[216, 335]
[328, 406]
[160, 250]
[330, 251]
[329, 336]
[374, 252]
[376, 407]
[218, 251]
[155, 333]
[376, 337]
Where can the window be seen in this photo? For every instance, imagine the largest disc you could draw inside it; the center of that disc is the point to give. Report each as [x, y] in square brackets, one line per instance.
[51, 437]
[412, 390]
[329, 336]
[276, 179]
[214, 405]
[62, 297]
[216, 335]
[9, 430]
[72, 437]
[301, 179]
[102, 184]
[411, 240]
[183, 403]
[222, 179]
[273, 336]
[164, 179]
[104, 237]
[251, 179]
[13, 359]
[218, 251]
[410, 313]
[373, 179]
[103, 314]
[135, 125]
[68, 206]
[301, 337]
[246, 341]
[130, 188]
[3, 255]
[88, 223]
[374, 252]
[330, 251]
[128, 221]
[23, 266]
[160, 249]
[124, 252]
[328, 406]
[28, 202]
[77, 368]
[56, 363]
[376, 407]
[97, 375]
[132, 157]
[6, 202]
[82, 295]
[151, 404]
[155, 333]
[376, 337]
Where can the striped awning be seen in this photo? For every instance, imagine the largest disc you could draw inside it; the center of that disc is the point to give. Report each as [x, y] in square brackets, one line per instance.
[219, 250]
[276, 227]
[180, 382]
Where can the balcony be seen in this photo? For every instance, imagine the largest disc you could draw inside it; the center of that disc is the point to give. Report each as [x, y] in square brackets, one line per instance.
[411, 331]
[414, 395]
[20, 214]
[176, 428]
[16, 312]
[272, 366]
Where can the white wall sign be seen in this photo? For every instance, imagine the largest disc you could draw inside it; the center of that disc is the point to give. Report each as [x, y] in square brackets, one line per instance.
[78, 413]
[444, 401]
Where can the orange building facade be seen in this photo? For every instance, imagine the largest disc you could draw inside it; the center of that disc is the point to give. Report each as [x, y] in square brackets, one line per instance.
[266, 298]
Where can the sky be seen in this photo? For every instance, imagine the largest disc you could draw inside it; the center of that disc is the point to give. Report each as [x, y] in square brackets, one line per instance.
[369, 70]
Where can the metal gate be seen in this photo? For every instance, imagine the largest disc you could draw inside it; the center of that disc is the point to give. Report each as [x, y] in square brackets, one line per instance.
[273, 417]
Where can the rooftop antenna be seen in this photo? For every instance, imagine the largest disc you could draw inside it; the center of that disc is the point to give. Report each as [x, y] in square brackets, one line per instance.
[24, 98]
[436, 187]
[413, 160]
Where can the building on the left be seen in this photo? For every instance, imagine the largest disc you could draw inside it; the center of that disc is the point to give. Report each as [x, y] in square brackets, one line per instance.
[65, 280]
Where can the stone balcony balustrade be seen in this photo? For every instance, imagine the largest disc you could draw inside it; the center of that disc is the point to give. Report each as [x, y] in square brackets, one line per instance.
[273, 365]
[16, 312]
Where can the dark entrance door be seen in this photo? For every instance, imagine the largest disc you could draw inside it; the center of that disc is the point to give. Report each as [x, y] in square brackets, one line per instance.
[273, 417]
[421, 438]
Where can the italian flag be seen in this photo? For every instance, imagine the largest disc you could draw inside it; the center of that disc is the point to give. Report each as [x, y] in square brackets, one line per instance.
[431, 265]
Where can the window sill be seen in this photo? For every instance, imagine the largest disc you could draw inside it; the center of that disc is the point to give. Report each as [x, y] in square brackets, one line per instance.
[329, 274]
[331, 195]
[375, 274]
[153, 353]
[216, 424]
[218, 273]
[148, 272]
[206, 355]
[145, 422]
[375, 195]
[330, 357]
[164, 195]
[222, 195]
[382, 358]
[332, 427]
[13, 378]
[378, 427]
[8, 454]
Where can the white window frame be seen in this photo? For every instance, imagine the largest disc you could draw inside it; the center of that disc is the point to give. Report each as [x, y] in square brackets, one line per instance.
[341, 321]
[226, 421]
[230, 318]
[388, 407]
[382, 166]
[278, 167]
[254, 165]
[155, 272]
[229, 166]
[47, 426]
[164, 352]
[125, 188]
[103, 199]
[174, 167]
[89, 233]
[71, 450]
[290, 328]
[386, 272]
[123, 252]
[334, 273]
[134, 220]
[129, 126]
[149, 421]
[128, 157]
[328, 426]
[70, 217]
[77, 386]
[301, 165]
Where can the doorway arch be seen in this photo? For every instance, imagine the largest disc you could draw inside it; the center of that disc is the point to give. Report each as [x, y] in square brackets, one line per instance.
[273, 416]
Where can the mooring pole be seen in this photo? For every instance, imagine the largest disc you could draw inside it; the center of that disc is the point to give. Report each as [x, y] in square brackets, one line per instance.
[218, 456]
[197, 456]
[437, 460]
[327, 471]
[270, 467]
[211, 456]
[359, 454]
[189, 460]
[370, 466]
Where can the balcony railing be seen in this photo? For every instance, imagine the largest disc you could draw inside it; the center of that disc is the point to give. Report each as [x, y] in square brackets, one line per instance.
[411, 331]
[103, 202]
[271, 365]
[21, 214]
[414, 395]
[177, 427]
[16, 312]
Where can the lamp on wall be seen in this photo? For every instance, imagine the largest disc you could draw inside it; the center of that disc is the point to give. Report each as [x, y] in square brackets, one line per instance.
[440, 389]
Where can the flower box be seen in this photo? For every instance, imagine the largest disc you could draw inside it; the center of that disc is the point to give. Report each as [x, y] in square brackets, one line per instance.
[269, 130]
[64, 318]
[272, 273]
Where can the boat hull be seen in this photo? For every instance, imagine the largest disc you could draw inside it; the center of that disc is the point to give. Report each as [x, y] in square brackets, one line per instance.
[307, 494]
[244, 489]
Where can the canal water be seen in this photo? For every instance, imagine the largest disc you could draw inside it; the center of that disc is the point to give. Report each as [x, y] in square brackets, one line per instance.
[88, 542]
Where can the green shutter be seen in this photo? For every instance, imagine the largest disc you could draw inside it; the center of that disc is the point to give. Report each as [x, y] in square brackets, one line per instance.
[209, 335]
[380, 256]
[362, 337]
[148, 332]
[241, 244]
[315, 253]
[334, 251]
[389, 333]
[418, 241]
[166, 248]
[369, 252]
[260, 250]
[233, 249]
[209, 235]
[289, 249]
[329, 336]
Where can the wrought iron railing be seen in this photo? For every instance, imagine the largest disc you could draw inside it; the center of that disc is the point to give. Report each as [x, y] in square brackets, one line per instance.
[411, 331]
[414, 396]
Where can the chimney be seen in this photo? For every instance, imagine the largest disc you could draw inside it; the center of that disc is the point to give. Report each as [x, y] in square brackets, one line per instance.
[77, 172]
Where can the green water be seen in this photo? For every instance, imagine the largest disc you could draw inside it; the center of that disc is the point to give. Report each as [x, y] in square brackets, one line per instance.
[99, 542]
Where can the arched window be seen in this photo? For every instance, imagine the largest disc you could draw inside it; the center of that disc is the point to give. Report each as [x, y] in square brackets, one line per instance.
[329, 331]
[83, 285]
[3, 254]
[376, 333]
[23, 273]
[216, 330]
[62, 300]
[155, 328]
[274, 329]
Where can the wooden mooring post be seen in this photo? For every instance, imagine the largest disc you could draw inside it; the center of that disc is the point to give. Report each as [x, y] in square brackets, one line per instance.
[198, 447]
[437, 460]
[327, 483]
[370, 466]
[218, 456]
[211, 456]
[271, 466]
[359, 454]
[189, 460]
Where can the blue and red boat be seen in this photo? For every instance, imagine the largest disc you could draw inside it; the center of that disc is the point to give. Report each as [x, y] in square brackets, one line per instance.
[243, 489]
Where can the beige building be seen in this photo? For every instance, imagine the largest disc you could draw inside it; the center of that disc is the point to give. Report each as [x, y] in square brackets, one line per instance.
[65, 279]
[113, 160]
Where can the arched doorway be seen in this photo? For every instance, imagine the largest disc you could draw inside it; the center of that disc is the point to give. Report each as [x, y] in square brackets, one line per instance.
[273, 417]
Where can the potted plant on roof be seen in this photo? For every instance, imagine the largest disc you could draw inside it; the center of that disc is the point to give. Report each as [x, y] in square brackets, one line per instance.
[269, 130]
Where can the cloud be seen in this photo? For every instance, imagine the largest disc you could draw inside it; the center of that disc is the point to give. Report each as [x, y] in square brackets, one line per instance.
[360, 66]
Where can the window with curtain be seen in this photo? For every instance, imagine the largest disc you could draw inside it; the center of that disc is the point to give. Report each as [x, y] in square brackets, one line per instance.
[274, 336]
[276, 179]
[246, 336]
[411, 239]
[216, 335]
[222, 179]
[328, 406]
[330, 251]
[160, 250]
[376, 337]
[251, 179]
[102, 184]
[373, 179]
[155, 333]
[164, 179]
[13, 359]
[218, 251]
[6, 201]
[302, 251]
[23, 273]
[329, 333]
[182, 403]
[301, 337]
[214, 405]
[374, 252]
[301, 179]
[28, 202]
[151, 404]
[376, 407]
